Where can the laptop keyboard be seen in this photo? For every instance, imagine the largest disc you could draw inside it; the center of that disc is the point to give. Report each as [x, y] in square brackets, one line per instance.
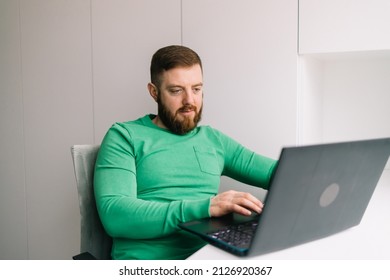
[238, 235]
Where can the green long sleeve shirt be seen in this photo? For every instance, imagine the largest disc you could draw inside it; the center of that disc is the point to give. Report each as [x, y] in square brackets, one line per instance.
[147, 180]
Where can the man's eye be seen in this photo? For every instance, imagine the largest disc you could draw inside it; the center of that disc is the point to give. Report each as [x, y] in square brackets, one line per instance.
[175, 91]
[197, 90]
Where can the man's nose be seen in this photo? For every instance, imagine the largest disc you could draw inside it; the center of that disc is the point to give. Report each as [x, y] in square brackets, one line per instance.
[188, 97]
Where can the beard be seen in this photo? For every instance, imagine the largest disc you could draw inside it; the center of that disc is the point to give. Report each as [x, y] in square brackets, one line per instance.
[173, 123]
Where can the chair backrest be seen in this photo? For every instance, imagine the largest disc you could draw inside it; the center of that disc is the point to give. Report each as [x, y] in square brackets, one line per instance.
[94, 239]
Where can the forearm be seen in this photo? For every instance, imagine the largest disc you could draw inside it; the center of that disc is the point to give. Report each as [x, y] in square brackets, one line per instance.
[253, 169]
[124, 215]
[248, 167]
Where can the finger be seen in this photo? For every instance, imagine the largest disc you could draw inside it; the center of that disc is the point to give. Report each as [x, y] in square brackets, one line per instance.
[249, 206]
[249, 202]
[241, 210]
[232, 201]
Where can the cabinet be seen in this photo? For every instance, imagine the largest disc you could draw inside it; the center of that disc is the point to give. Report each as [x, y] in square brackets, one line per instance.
[344, 65]
[343, 25]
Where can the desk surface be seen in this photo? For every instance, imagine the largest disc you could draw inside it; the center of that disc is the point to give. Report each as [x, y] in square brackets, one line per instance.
[369, 240]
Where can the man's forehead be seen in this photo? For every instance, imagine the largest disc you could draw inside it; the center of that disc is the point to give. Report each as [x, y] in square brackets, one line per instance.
[180, 74]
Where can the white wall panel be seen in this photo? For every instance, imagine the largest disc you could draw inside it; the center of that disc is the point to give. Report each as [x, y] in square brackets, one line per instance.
[13, 227]
[249, 51]
[125, 36]
[57, 95]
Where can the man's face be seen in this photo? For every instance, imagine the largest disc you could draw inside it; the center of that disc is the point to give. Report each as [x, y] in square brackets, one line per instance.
[180, 99]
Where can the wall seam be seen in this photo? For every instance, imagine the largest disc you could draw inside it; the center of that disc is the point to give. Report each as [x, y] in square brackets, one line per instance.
[23, 130]
[181, 23]
[92, 77]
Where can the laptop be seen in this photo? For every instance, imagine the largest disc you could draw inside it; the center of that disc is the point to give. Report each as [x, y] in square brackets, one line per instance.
[316, 191]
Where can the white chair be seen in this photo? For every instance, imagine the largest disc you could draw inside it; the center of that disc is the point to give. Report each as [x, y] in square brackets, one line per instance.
[95, 242]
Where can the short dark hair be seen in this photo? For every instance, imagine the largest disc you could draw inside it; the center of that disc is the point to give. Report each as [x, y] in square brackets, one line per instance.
[171, 57]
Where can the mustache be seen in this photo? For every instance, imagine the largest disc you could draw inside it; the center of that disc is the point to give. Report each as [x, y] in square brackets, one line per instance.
[187, 108]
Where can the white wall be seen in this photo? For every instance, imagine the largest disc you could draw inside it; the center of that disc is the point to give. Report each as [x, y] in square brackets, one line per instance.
[46, 87]
[310, 95]
[125, 34]
[13, 228]
[69, 69]
[344, 96]
[249, 50]
[356, 98]
[56, 90]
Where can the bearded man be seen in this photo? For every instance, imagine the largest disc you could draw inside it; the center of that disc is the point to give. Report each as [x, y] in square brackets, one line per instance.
[160, 170]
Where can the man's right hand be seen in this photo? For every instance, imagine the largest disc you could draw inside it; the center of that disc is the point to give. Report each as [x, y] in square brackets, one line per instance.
[234, 202]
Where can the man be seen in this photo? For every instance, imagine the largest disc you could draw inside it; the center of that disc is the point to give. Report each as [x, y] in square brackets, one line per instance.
[160, 170]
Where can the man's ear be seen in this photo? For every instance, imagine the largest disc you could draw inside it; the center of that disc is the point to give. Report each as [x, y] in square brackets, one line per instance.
[153, 91]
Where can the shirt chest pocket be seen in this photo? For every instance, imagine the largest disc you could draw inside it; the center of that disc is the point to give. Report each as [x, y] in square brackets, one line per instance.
[207, 160]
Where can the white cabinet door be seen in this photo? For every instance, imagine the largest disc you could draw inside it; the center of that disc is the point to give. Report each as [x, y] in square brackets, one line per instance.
[343, 25]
